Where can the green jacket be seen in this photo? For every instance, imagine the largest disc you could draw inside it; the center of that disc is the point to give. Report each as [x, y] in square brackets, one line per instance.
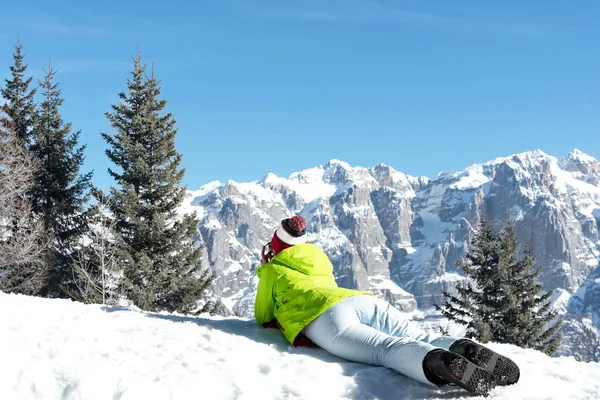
[295, 287]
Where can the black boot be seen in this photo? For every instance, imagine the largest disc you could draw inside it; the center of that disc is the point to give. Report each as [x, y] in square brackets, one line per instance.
[442, 367]
[505, 371]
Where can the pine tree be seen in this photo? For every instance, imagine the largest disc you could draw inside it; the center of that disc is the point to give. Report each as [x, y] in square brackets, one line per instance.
[16, 117]
[471, 305]
[60, 192]
[20, 105]
[526, 315]
[161, 262]
[500, 301]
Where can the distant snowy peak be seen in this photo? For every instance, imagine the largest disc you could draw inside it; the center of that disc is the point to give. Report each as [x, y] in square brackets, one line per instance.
[335, 177]
[470, 178]
[525, 160]
[582, 166]
[388, 176]
[205, 189]
[535, 164]
[334, 162]
[580, 157]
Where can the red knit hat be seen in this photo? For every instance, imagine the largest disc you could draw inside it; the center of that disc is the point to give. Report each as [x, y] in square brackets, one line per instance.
[291, 231]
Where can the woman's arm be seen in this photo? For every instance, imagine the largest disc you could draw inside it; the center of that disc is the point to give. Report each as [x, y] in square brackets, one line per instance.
[264, 305]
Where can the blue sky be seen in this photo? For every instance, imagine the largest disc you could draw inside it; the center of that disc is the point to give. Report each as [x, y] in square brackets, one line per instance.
[279, 86]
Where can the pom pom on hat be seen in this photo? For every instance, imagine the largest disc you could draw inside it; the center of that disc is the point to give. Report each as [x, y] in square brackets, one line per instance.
[297, 224]
[292, 231]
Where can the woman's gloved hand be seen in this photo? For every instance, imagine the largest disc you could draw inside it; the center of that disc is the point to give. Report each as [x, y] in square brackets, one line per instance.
[266, 254]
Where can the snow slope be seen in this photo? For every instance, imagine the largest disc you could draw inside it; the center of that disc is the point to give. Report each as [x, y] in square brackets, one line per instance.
[59, 349]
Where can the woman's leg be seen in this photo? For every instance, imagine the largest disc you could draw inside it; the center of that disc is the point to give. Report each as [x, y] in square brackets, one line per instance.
[384, 317]
[349, 330]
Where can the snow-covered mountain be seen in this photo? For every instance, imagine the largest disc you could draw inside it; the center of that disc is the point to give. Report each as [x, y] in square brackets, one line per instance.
[60, 349]
[399, 236]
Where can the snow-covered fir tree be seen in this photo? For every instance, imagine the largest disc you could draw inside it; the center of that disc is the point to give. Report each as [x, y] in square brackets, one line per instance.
[97, 276]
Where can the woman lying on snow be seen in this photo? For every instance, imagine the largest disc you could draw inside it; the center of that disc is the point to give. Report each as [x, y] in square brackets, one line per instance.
[298, 294]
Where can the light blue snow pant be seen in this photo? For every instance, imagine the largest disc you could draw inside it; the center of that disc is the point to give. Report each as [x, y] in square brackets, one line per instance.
[365, 329]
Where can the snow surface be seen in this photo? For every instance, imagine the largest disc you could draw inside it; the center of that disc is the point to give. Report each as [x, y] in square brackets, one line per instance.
[470, 178]
[60, 349]
[382, 283]
[308, 184]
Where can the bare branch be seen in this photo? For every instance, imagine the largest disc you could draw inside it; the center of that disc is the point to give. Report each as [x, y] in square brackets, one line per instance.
[22, 238]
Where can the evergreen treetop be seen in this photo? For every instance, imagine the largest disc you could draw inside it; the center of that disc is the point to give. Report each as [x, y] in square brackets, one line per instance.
[20, 104]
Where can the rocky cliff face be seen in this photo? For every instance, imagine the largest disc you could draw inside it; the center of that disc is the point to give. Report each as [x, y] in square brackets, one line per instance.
[399, 236]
